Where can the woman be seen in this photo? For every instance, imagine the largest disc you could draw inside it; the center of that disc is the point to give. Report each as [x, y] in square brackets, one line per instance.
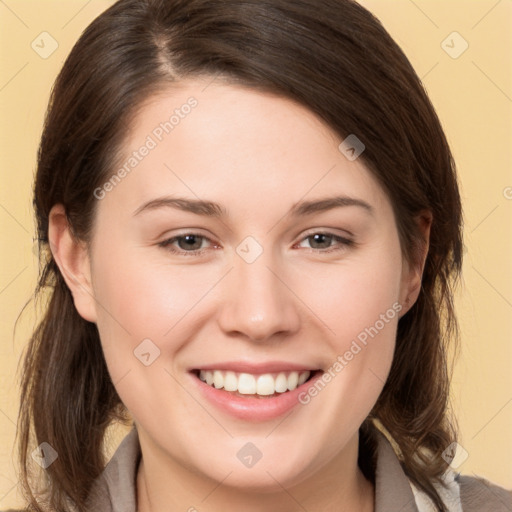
[252, 229]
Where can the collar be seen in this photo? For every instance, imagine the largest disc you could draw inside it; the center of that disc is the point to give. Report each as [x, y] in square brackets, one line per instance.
[115, 489]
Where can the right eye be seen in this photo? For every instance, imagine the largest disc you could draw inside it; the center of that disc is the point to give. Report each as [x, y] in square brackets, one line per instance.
[187, 244]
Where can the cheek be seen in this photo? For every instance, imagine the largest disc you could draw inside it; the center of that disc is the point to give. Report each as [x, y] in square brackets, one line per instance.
[142, 321]
[354, 295]
[136, 301]
[362, 312]
[359, 305]
[140, 295]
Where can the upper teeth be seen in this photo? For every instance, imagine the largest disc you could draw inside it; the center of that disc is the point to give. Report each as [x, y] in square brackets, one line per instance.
[248, 384]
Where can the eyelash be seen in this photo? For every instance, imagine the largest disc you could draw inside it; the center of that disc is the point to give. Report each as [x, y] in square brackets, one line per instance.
[345, 242]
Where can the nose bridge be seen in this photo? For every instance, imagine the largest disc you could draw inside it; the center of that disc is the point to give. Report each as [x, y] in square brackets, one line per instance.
[259, 305]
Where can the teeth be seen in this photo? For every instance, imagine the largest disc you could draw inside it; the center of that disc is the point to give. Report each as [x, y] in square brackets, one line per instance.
[281, 383]
[230, 381]
[293, 380]
[218, 379]
[303, 377]
[248, 384]
[265, 385]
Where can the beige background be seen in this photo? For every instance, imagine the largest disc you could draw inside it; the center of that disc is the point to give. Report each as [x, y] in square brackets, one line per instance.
[473, 96]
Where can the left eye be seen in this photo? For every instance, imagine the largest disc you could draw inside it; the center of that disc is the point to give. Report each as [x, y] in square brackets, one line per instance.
[192, 243]
[323, 239]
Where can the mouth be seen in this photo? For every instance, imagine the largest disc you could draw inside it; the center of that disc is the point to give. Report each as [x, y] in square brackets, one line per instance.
[254, 393]
[262, 385]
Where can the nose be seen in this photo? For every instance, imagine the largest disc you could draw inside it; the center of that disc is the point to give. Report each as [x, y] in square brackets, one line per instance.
[259, 303]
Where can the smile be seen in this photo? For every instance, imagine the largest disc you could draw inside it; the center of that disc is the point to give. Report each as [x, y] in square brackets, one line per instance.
[267, 384]
[253, 392]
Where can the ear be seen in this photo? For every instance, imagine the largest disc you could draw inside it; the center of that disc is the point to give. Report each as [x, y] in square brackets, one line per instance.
[72, 258]
[412, 273]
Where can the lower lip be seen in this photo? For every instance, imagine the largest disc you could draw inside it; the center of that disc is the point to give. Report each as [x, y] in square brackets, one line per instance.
[252, 408]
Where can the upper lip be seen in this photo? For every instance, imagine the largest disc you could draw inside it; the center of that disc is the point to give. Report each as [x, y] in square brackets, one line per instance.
[255, 368]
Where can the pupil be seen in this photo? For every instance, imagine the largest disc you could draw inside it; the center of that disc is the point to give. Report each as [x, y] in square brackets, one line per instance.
[190, 240]
[319, 238]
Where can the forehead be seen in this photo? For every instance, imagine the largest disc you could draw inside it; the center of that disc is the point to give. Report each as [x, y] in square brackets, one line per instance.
[246, 147]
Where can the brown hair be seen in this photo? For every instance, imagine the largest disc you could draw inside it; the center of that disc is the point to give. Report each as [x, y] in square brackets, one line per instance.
[335, 58]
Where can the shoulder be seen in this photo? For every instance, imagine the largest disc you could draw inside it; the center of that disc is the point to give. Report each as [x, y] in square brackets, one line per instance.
[460, 493]
[478, 494]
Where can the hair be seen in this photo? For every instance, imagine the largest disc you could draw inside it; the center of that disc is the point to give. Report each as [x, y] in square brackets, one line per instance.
[331, 56]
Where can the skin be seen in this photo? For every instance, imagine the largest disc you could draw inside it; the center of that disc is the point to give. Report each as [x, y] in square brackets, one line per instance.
[256, 155]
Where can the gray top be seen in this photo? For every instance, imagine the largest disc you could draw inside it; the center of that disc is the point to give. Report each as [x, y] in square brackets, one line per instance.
[115, 489]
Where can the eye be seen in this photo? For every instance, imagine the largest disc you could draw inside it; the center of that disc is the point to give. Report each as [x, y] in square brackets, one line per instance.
[192, 244]
[322, 242]
[189, 244]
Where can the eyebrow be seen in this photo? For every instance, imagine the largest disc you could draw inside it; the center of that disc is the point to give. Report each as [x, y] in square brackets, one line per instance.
[211, 209]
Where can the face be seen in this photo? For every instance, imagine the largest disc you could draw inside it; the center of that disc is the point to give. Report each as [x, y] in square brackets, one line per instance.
[242, 248]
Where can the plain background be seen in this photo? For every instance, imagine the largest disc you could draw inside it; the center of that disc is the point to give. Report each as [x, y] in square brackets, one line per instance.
[473, 97]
